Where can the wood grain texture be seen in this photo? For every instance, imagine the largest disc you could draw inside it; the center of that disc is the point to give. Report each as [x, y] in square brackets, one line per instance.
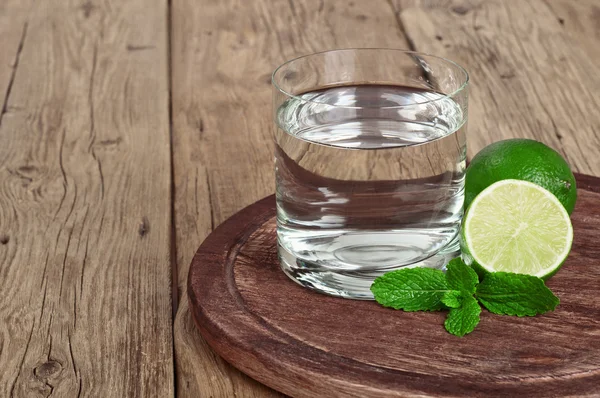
[84, 203]
[529, 78]
[14, 15]
[223, 55]
[581, 21]
[307, 344]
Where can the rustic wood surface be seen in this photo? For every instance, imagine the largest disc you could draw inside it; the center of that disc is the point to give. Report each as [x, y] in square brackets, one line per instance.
[85, 294]
[98, 208]
[304, 343]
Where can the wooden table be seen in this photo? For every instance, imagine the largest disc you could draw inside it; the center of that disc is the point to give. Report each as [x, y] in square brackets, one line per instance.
[130, 129]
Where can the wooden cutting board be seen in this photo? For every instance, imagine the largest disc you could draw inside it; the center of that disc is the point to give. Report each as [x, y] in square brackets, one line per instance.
[306, 344]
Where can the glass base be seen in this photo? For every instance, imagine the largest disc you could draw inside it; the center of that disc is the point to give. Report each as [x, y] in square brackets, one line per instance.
[351, 284]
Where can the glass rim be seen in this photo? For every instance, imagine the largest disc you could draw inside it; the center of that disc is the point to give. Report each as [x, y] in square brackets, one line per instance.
[444, 96]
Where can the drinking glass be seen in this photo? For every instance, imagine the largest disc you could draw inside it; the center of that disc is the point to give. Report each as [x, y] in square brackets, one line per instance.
[370, 152]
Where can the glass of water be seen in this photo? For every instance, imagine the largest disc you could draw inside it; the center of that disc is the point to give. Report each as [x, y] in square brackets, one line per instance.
[370, 152]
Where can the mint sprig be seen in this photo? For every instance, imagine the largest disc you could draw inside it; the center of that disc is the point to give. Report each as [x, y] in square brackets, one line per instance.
[459, 291]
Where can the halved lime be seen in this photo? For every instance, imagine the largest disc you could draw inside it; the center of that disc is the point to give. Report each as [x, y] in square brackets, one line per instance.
[516, 226]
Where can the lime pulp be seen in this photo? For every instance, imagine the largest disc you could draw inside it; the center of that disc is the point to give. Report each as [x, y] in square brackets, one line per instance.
[516, 226]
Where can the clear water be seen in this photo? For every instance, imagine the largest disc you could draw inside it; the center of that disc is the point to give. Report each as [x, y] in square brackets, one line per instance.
[362, 191]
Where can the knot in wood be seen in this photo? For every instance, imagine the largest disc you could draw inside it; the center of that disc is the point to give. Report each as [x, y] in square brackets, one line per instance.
[48, 369]
[144, 227]
[460, 10]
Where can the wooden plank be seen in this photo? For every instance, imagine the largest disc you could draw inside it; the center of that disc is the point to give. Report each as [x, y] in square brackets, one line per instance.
[223, 55]
[85, 304]
[529, 78]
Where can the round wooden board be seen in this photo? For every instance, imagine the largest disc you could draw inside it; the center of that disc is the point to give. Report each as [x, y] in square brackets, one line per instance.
[307, 344]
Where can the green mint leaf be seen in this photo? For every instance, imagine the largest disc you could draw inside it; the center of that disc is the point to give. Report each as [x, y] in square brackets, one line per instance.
[461, 321]
[413, 289]
[506, 293]
[461, 277]
[452, 299]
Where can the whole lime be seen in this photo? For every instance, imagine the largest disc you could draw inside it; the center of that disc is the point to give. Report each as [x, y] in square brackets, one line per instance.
[521, 159]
